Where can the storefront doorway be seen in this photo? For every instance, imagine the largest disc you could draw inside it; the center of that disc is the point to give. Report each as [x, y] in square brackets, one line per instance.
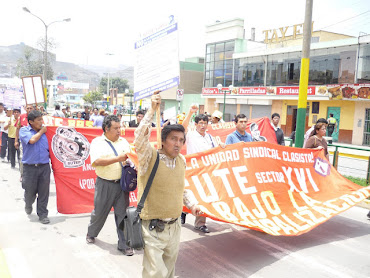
[336, 113]
[291, 120]
[366, 140]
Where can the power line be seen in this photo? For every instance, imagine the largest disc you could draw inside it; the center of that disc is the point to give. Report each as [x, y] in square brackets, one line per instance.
[345, 19]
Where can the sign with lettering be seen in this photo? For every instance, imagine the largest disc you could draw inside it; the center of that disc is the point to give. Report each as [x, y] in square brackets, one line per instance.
[283, 33]
[157, 61]
[287, 91]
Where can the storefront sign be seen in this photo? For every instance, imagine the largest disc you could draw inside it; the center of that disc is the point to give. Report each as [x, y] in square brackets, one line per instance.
[287, 91]
[252, 91]
[349, 91]
[281, 33]
[333, 91]
[215, 91]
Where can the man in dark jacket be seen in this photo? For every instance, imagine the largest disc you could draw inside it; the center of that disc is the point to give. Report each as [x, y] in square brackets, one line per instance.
[275, 118]
[139, 116]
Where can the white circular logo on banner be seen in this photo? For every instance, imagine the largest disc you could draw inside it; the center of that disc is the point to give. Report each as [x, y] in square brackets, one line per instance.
[70, 147]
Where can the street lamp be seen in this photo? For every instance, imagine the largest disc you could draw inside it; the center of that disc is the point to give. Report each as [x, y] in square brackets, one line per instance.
[108, 93]
[46, 42]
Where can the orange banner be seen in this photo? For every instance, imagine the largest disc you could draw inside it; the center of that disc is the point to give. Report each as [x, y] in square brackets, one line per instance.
[259, 185]
[275, 189]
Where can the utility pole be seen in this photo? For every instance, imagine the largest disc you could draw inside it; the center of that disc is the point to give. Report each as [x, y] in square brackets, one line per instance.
[303, 81]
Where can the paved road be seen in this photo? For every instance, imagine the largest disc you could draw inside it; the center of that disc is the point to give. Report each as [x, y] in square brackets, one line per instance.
[337, 248]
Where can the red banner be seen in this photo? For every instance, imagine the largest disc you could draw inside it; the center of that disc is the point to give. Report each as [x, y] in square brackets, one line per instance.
[264, 186]
[73, 173]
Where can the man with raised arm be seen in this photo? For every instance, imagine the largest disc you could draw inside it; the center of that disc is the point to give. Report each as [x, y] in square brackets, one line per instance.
[198, 140]
[164, 203]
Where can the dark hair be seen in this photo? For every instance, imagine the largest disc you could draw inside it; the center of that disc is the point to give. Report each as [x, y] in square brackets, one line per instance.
[275, 115]
[169, 128]
[318, 126]
[201, 117]
[331, 115]
[239, 116]
[1, 104]
[33, 115]
[107, 122]
[57, 107]
[140, 112]
[322, 120]
[17, 110]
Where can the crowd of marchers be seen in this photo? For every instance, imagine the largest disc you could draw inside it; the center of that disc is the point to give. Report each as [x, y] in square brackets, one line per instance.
[23, 140]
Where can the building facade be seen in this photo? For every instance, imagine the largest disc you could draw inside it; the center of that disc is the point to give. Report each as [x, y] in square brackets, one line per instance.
[258, 78]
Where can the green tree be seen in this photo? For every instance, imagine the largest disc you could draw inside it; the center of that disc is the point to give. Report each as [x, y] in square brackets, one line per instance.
[115, 82]
[32, 63]
[92, 97]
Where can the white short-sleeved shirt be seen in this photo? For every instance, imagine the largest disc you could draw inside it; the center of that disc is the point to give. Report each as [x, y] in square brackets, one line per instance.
[307, 135]
[101, 149]
[5, 121]
[196, 143]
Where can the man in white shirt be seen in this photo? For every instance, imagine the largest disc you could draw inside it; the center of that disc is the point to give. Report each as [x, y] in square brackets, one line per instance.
[198, 140]
[108, 192]
[57, 112]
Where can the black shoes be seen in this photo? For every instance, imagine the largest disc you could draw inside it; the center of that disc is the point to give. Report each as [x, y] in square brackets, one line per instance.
[90, 239]
[183, 218]
[44, 220]
[203, 229]
[368, 215]
[127, 252]
[28, 210]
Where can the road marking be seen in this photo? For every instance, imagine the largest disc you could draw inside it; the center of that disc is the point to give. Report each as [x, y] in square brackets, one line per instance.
[4, 271]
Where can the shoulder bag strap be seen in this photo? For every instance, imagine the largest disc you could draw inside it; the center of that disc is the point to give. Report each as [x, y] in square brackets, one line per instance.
[114, 150]
[210, 138]
[148, 185]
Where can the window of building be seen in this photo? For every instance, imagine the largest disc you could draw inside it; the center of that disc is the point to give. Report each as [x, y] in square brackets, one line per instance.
[364, 64]
[218, 69]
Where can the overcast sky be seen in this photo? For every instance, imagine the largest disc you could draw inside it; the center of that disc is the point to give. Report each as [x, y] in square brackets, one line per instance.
[112, 26]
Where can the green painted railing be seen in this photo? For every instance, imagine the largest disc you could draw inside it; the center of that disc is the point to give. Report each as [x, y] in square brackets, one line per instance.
[336, 154]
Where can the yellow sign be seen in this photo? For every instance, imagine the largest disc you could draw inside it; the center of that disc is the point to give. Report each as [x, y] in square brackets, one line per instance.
[278, 35]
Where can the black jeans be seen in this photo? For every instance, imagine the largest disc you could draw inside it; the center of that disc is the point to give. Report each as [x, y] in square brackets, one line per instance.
[4, 144]
[12, 151]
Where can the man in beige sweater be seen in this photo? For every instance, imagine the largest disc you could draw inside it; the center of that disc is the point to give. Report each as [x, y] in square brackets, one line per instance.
[163, 205]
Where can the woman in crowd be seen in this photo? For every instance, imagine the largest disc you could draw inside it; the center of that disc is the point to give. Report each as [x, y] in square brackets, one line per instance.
[79, 116]
[317, 140]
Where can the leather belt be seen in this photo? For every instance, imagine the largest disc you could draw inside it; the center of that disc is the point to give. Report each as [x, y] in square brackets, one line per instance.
[37, 164]
[169, 222]
[114, 181]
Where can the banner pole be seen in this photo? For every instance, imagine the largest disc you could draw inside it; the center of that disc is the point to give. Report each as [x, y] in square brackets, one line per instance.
[158, 118]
